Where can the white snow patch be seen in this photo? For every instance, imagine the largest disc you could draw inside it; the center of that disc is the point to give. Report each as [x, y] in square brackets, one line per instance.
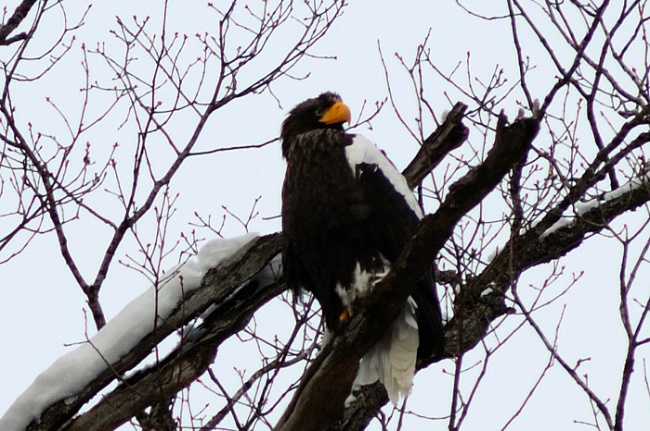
[492, 255]
[268, 275]
[562, 222]
[364, 151]
[584, 207]
[73, 371]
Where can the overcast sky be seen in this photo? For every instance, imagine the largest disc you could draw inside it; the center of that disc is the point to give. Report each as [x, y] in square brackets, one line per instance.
[43, 313]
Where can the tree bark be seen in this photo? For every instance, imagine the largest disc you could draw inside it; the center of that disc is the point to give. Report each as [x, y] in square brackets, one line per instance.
[318, 402]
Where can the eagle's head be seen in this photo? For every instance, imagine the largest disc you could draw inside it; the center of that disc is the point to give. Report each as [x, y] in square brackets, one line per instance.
[324, 111]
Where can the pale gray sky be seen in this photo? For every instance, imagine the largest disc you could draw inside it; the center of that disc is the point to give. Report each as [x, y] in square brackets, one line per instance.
[42, 311]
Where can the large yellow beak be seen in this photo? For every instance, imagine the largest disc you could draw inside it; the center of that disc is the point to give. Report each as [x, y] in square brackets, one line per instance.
[339, 112]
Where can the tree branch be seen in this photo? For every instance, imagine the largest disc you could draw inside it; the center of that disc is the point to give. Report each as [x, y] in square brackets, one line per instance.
[19, 15]
[318, 402]
[186, 363]
[218, 286]
[449, 136]
[475, 308]
[328, 381]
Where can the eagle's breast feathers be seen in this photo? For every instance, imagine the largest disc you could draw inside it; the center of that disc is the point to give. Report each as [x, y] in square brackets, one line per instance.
[347, 214]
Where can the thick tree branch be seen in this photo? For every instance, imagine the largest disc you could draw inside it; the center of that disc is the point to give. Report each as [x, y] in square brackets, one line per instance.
[185, 364]
[155, 79]
[328, 380]
[531, 248]
[318, 402]
[226, 279]
[14, 21]
[217, 288]
[449, 136]
[475, 309]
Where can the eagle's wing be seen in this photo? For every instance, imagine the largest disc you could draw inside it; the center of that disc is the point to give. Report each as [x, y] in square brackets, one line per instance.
[394, 216]
[362, 151]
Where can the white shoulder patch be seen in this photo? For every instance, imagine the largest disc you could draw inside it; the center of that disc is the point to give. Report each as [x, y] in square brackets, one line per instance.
[364, 151]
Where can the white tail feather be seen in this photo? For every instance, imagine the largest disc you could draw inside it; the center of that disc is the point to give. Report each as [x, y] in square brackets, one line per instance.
[392, 359]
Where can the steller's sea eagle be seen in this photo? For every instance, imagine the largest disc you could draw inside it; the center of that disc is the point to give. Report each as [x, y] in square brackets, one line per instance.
[347, 213]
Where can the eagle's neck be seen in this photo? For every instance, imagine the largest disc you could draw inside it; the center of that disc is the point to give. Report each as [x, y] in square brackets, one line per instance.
[314, 143]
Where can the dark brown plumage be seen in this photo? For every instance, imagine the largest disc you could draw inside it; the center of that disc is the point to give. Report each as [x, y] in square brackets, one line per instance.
[345, 219]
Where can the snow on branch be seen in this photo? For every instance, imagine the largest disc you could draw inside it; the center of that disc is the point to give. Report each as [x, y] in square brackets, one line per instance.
[76, 377]
[475, 309]
[533, 248]
[582, 209]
